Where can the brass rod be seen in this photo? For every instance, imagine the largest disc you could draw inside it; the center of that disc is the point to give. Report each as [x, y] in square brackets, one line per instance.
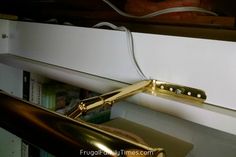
[153, 87]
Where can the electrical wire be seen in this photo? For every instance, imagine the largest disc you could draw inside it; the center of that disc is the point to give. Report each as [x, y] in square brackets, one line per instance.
[160, 12]
[129, 34]
[130, 44]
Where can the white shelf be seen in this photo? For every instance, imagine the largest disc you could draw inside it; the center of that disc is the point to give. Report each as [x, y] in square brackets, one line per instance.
[208, 115]
[70, 53]
[200, 63]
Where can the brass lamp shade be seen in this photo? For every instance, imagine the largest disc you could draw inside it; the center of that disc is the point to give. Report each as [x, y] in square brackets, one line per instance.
[63, 136]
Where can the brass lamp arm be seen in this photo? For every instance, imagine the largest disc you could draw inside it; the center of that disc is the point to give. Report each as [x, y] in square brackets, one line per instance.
[153, 87]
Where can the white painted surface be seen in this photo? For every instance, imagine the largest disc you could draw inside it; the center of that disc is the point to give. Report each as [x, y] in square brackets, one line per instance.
[207, 115]
[206, 142]
[4, 30]
[11, 82]
[200, 63]
[10, 145]
[99, 52]
[68, 47]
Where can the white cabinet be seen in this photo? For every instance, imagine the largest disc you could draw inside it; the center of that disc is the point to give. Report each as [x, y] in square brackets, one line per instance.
[69, 53]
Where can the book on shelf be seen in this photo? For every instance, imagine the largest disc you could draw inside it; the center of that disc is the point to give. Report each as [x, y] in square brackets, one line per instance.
[32, 93]
[61, 98]
[57, 96]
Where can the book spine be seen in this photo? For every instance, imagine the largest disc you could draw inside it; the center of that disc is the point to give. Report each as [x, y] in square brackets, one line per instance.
[26, 85]
[31, 92]
[35, 90]
[26, 95]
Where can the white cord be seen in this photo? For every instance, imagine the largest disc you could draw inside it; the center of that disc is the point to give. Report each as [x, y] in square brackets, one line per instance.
[129, 42]
[160, 12]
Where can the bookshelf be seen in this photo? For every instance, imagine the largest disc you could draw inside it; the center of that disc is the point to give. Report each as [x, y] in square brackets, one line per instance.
[185, 122]
[170, 130]
[59, 97]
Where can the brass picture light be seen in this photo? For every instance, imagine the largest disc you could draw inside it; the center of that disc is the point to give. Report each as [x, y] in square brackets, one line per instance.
[67, 135]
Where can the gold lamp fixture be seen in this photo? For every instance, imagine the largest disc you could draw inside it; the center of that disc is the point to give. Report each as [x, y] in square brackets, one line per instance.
[68, 135]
